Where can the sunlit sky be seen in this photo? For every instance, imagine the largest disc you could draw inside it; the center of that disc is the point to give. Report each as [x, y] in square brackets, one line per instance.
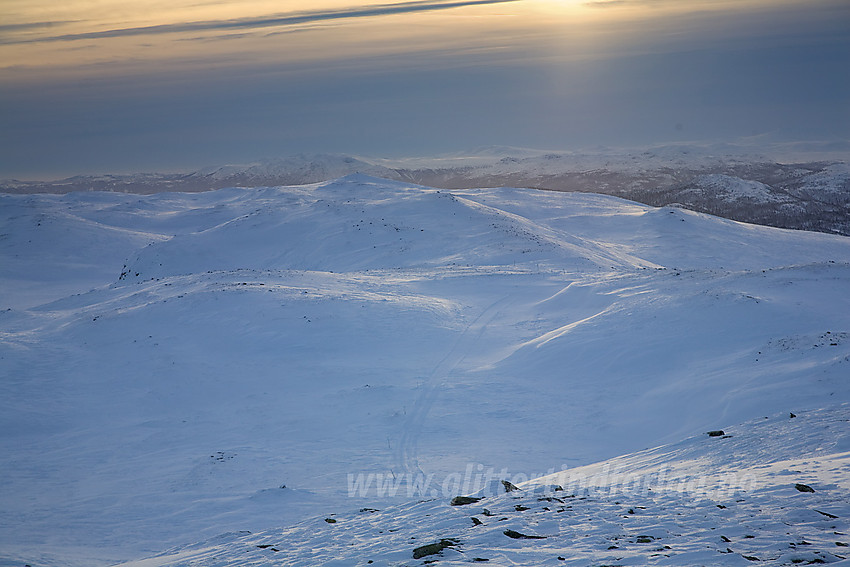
[91, 86]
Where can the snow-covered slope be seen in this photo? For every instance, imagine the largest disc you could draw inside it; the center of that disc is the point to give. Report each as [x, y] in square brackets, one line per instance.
[773, 491]
[177, 366]
[732, 189]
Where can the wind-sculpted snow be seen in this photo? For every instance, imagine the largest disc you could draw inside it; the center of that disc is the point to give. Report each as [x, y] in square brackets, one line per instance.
[362, 224]
[180, 366]
[772, 491]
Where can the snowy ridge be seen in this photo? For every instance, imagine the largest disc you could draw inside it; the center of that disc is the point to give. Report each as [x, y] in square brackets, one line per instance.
[806, 188]
[299, 169]
[772, 491]
[178, 366]
[327, 228]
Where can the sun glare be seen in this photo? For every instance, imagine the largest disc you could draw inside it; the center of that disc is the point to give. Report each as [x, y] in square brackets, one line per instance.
[95, 38]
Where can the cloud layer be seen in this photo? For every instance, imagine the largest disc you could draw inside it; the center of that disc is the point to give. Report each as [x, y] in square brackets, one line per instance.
[417, 77]
[250, 23]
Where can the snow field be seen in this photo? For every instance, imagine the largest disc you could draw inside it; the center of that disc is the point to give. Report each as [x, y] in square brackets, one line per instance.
[171, 362]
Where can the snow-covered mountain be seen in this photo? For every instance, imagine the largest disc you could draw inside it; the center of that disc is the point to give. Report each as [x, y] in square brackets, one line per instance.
[744, 187]
[180, 366]
[725, 180]
[295, 170]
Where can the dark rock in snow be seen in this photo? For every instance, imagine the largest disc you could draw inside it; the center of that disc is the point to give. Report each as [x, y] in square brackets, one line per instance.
[517, 535]
[464, 500]
[717, 433]
[433, 548]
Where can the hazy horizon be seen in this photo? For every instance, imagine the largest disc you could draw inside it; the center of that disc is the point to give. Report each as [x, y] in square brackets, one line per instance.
[117, 86]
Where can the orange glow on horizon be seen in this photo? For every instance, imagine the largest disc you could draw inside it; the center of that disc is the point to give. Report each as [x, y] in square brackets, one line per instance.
[93, 37]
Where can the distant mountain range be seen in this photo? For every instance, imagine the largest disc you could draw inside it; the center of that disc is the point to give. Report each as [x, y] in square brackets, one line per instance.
[717, 180]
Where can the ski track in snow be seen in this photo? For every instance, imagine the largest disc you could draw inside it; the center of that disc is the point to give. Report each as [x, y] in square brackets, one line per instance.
[407, 454]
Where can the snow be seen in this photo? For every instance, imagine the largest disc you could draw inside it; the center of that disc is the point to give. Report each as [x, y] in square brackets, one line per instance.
[729, 180]
[702, 501]
[184, 368]
[730, 188]
[305, 167]
[506, 159]
[831, 183]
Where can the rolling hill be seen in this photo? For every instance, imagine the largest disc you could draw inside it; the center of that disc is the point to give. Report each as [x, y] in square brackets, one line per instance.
[178, 366]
